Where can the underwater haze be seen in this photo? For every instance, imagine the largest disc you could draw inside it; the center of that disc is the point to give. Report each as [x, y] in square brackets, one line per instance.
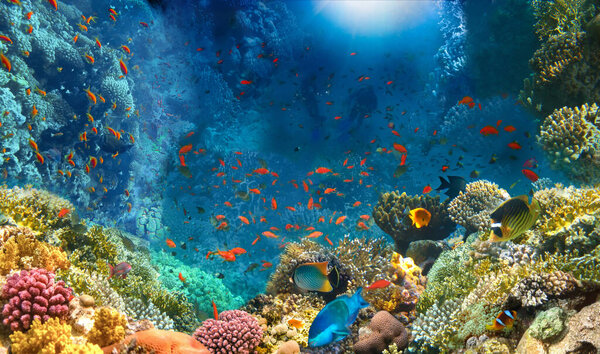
[307, 176]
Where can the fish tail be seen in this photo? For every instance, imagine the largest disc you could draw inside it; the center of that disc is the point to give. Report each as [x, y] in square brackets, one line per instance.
[444, 184]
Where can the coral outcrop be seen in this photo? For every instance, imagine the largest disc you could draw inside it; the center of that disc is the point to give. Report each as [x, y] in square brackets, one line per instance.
[234, 331]
[33, 295]
[383, 330]
[472, 208]
[109, 327]
[391, 215]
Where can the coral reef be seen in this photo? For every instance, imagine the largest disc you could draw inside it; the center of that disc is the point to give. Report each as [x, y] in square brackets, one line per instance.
[22, 250]
[583, 334]
[548, 325]
[472, 208]
[138, 310]
[570, 138]
[234, 331]
[33, 295]
[391, 216]
[109, 327]
[51, 337]
[537, 289]
[383, 330]
[437, 327]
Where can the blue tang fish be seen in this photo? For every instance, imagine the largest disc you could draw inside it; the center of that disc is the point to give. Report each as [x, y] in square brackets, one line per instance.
[333, 322]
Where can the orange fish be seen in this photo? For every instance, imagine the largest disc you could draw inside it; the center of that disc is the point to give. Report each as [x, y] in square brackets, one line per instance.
[89, 58]
[357, 203]
[98, 41]
[237, 251]
[269, 234]
[90, 95]
[329, 190]
[75, 38]
[54, 4]
[340, 220]
[215, 312]
[322, 170]
[379, 284]
[5, 39]
[273, 204]
[181, 277]
[244, 219]
[361, 225]
[310, 204]
[261, 171]
[488, 130]
[514, 145]
[465, 100]
[39, 157]
[401, 149]
[510, 128]
[170, 243]
[5, 62]
[28, 15]
[426, 189]
[532, 176]
[63, 212]
[290, 208]
[185, 149]
[295, 323]
[33, 145]
[314, 234]
[254, 190]
[123, 66]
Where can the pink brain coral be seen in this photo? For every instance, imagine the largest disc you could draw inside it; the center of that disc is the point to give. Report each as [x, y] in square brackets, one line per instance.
[234, 332]
[33, 294]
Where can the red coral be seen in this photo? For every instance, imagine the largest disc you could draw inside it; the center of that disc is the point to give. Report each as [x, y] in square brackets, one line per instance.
[234, 332]
[33, 294]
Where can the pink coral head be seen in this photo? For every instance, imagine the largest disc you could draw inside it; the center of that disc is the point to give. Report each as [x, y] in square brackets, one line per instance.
[33, 294]
[234, 332]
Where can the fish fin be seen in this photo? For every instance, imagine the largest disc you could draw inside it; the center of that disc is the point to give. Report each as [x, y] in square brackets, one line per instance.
[112, 270]
[326, 287]
[493, 237]
[340, 334]
[509, 314]
[444, 184]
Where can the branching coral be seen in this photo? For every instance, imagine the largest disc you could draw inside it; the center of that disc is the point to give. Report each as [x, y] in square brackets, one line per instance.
[234, 332]
[391, 215]
[570, 136]
[139, 310]
[437, 327]
[33, 208]
[537, 289]
[472, 208]
[23, 251]
[560, 16]
[51, 337]
[109, 327]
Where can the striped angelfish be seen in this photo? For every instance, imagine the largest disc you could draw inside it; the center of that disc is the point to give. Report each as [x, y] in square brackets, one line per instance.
[513, 217]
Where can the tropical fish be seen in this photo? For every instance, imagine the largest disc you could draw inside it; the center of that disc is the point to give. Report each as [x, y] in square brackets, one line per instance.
[488, 130]
[181, 278]
[314, 277]
[513, 217]
[295, 323]
[505, 319]
[333, 322]
[379, 284]
[63, 212]
[532, 176]
[454, 185]
[420, 217]
[170, 243]
[120, 270]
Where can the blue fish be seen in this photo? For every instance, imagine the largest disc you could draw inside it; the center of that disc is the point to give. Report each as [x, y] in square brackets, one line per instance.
[333, 322]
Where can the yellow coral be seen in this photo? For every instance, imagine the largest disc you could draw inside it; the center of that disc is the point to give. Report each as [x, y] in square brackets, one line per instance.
[406, 269]
[562, 206]
[36, 209]
[24, 251]
[49, 338]
[109, 327]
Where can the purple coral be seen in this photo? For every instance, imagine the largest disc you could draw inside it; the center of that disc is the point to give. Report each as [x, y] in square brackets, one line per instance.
[234, 332]
[33, 294]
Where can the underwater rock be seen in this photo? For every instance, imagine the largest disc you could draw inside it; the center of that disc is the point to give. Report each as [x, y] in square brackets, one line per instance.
[424, 253]
[385, 329]
[548, 325]
[584, 332]
[289, 347]
[391, 215]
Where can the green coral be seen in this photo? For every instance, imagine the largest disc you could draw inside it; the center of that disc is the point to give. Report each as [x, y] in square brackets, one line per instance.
[109, 327]
[200, 288]
[555, 17]
[548, 325]
[33, 208]
[52, 337]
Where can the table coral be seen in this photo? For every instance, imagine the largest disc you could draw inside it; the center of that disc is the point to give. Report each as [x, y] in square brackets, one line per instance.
[234, 331]
[472, 208]
[51, 337]
[109, 327]
[570, 138]
[391, 215]
[33, 295]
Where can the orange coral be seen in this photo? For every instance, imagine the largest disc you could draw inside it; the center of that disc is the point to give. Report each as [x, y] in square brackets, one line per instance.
[163, 342]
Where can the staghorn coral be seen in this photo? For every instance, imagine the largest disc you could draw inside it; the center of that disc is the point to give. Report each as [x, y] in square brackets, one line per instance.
[234, 331]
[570, 137]
[472, 208]
[33, 295]
[391, 216]
[33, 208]
[560, 16]
[51, 337]
[109, 327]
[23, 251]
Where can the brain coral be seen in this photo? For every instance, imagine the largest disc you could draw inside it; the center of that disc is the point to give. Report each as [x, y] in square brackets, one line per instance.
[570, 136]
[33, 295]
[472, 208]
[391, 216]
[234, 332]
[384, 329]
